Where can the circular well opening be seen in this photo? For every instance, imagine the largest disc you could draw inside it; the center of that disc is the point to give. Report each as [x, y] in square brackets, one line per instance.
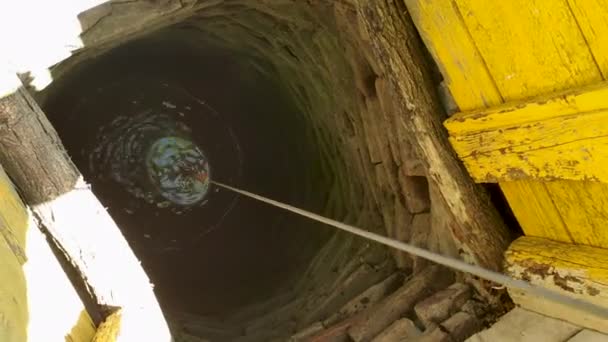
[279, 100]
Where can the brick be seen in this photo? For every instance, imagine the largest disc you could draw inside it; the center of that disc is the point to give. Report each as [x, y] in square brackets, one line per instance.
[461, 325]
[442, 304]
[416, 192]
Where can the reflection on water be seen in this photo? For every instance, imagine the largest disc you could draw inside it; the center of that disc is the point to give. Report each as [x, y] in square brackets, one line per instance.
[152, 152]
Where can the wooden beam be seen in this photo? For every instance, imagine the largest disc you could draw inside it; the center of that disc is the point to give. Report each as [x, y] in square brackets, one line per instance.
[575, 270]
[67, 210]
[562, 136]
[479, 231]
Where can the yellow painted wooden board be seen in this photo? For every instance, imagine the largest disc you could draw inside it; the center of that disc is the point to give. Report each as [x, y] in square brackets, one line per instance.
[591, 18]
[13, 298]
[449, 41]
[526, 48]
[37, 301]
[561, 137]
[577, 271]
[13, 217]
[530, 47]
[571, 101]
[13, 290]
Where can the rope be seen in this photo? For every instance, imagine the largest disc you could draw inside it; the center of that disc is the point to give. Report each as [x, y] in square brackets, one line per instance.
[450, 262]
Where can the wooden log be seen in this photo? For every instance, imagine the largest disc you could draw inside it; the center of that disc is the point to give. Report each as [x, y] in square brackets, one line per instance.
[575, 270]
[481, 234]
[377, 318]
[66, 209]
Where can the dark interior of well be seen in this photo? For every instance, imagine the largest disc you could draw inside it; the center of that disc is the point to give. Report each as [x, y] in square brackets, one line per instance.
[229, 250]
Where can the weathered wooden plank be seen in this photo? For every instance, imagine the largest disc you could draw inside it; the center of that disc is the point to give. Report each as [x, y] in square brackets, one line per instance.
[557, 137]
[13, 217]
[526, 49]
[575, 270]
[584, 99]
[465, 72]
[589, 226]
[479, 231]
[591, 18]
[13, 296]
[65, 207]
[530, 47]
[536, 211]
[549, 60]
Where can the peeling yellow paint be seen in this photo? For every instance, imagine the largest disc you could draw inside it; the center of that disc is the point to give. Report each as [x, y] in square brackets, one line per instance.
[562, 137]
[572, 101]
[543, 257]
[577, 271]
[109, 329]
[496, 51]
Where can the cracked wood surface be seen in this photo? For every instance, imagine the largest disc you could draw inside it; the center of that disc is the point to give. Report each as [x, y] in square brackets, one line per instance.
[563, 136]
[575, 270]
[479, 231]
